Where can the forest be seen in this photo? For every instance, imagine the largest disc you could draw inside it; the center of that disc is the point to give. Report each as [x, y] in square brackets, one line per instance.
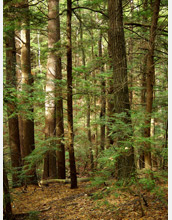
[85, 109]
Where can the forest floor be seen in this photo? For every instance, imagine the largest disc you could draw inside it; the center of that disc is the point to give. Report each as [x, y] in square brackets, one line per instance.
[58, 201]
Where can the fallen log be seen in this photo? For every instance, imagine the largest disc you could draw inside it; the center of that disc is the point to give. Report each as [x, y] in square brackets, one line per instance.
[65, 181]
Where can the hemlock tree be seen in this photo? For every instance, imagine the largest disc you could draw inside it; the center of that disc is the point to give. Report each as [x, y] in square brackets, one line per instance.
[11, 88]
[50, 170]
[150, 73]
[27, 128]
[125, 162]
[59, 111]
[103, 99]
[69, 98]
[7, 209]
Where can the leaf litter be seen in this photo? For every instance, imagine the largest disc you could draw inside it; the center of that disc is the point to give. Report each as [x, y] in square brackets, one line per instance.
[58, 201]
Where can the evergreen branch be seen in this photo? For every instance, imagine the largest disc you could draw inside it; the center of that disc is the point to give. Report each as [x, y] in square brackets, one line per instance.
[94, 10]
[143, 25]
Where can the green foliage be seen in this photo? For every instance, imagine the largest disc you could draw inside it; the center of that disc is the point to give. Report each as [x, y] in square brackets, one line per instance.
[147, 184]
[33, 215]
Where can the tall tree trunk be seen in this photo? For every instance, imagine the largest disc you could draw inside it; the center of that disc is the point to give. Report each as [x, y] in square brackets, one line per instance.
[7, 209]
[143, 83]
[11, 84]
[69, 98]
[53, 108]
[125, 162]
[103, 100]
[110, 103]
[61, 172]
[27, 132]
[19, 81]
[150, 83]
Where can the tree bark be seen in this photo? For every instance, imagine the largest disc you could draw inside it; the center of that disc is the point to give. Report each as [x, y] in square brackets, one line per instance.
[103, 100]
[150, 83]
[73, 175]
[61, 172]
[11, 84]
[27, 133]
[53, 108]
[143, 83]
[125, 162]
[7, 209]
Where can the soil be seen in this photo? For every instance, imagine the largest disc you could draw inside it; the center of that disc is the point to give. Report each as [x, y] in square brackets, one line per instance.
[58, 201]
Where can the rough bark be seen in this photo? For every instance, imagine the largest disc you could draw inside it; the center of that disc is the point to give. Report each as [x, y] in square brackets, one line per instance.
[73, 175]
[11, 84]
[61, 172]
[150, 83]
[143, 82]
[53, 65]
[125, 163]
[103, 100]
[7, 209]
[27, 133]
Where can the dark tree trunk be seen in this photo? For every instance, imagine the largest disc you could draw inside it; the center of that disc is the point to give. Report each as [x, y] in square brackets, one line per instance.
[150, 83]
[61, 172]
[143, 83]
[125, 163]
[11, 84]
[103, 100]
[7, 209]
[69, 98]
[27, 132]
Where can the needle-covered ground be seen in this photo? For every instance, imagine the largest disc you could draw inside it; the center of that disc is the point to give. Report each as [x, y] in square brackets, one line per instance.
[106, 202]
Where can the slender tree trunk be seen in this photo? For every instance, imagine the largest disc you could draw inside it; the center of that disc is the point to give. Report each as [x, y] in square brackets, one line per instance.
[150, 82]
[103, 100]
[39, 52]
[27, 132]
[125, 162]
[59, 111]
[130, 57]
[7, 209]
[143, 83]
[110, 91]
[11, 84]
[69, 98]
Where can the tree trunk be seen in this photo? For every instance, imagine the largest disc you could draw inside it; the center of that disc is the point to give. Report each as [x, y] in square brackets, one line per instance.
[143, 83]
[103, 100]
[11, 84]
[150, 83]
[125, 162]
[27, 133]
[7, 209]
[61, 172]
[53, 108]
[69, 98]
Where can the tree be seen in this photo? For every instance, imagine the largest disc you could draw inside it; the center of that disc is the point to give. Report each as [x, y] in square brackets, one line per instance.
[125, 162]
[27, 129]
[59, 111]
[69, 98]
[7, 198]
[50, 170]
[11, 84]
[150, 73]
[103, 99]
